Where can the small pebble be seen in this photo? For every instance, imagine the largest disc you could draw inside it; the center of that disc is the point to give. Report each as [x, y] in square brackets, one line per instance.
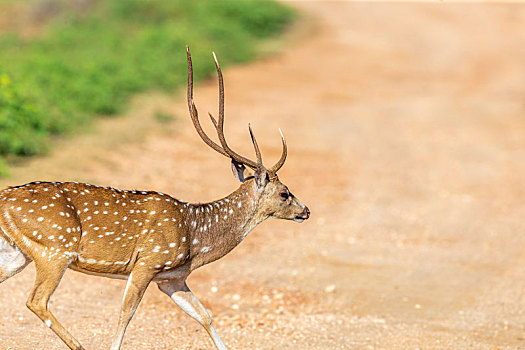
[330, 288]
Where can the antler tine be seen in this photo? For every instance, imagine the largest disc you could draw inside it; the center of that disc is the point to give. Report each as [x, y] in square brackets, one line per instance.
[213, 120]
[220, 125]
[254, 141]
[281, 161]
[193, 110]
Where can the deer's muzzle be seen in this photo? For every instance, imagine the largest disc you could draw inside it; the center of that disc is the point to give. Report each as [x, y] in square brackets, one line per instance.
[304, 215]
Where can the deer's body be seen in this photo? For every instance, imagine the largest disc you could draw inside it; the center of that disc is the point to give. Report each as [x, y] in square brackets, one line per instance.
[139, 236]
[106, 231]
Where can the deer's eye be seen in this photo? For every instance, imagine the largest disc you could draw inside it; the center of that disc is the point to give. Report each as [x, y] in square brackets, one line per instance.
[285, 195]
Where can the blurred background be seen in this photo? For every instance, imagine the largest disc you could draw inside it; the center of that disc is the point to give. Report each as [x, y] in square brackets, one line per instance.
[405, 125]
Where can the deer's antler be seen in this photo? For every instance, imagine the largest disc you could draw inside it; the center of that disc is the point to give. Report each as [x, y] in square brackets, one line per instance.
[193, 110]
[281, 161]
[219, 125]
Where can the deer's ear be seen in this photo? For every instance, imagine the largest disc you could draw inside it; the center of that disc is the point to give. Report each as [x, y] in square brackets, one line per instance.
[261, 177]
[238, 170]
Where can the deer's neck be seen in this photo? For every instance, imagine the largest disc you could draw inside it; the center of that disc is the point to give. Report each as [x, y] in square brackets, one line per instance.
[217, 227]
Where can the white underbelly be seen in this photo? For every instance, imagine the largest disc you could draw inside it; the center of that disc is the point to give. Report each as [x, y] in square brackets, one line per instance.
[176, 273]
[12, 259]
[99, 274]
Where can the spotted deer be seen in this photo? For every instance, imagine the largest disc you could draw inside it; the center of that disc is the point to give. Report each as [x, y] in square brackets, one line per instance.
[138, 236]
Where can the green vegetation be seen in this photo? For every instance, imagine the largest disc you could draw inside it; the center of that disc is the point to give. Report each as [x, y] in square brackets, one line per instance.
[85, 65]
[164, 117]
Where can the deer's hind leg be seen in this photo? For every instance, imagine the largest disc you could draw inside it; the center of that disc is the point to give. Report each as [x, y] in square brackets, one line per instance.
[48, 276]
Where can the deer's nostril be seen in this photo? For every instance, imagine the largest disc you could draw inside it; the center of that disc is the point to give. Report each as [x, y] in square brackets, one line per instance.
[307, 212]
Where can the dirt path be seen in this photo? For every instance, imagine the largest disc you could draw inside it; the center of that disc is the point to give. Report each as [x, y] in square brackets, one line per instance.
[406, 129]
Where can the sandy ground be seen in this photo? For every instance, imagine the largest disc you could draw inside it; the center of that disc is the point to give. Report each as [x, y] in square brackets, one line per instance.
[406, 133]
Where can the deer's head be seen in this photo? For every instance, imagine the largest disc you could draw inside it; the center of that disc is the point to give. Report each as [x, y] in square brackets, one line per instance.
[273, 197]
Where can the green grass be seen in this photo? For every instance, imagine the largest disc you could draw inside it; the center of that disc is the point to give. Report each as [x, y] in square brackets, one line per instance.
[87, 65]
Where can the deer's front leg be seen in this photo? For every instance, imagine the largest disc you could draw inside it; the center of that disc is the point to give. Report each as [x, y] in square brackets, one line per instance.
[179, 292]
[138, 281]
